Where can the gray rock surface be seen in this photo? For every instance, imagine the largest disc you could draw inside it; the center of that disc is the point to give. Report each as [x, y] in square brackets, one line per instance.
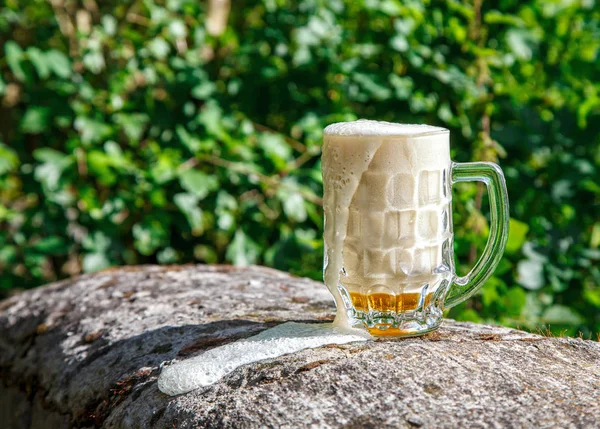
[87, 351]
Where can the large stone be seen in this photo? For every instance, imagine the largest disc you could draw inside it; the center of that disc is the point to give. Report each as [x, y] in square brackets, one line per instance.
[87, 352]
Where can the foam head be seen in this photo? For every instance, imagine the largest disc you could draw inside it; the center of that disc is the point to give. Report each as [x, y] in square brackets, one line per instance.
[366, 127]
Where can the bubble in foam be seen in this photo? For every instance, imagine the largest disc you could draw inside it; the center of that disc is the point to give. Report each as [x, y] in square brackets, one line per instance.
[214, 364]
[365, 127]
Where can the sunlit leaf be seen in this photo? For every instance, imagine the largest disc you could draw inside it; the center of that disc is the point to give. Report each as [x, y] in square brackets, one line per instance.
[520, 43]
[530, 274]
[198, 183]
[9, 159]
[53, 163]
[59, 63]
[293, 205]
[50, 245]
[188, 204]
[35, 120]
[561, 315]
[517, 234]
[39, 61]
[276, 149]
[149, 236]
[242, 251]
[95, 262]
[14, 54]
[515, 301]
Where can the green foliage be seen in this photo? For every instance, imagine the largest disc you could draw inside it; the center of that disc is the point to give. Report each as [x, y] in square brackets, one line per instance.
[130, 134]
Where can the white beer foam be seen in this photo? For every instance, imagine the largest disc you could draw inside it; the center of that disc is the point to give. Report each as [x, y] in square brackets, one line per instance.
[214, 364]
[366, 127]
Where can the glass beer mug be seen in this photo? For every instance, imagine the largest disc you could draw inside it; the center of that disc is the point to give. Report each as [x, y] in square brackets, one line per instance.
[389, 259]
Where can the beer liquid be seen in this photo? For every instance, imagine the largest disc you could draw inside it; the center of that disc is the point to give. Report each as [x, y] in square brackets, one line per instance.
[382, 302]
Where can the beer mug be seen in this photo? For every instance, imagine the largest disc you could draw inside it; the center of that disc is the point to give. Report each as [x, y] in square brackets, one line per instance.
[389, 259]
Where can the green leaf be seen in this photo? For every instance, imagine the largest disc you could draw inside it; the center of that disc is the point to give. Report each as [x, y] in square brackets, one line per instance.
[14, 54]
[59, 63]
[403, 86]
[188, 204]
[95, 262]
[203, 91]
[35, 120]
[198, 183]
[226, 201]
[48, 155]
[399, 43]
[205, 254]
[242, 251]
[404, 26]
[97, 242]
[52, 245]
[94, 62]
[149, 236]
[496, 17]
[530, 274]
[159, 48]
[167, 256]
[489, 293]
[293, 206]
[133, 125]
[189, 141]
[390, 7]
[517, 234]
[275, 148]
[225, 221]
[53, 164]
[165, 168]
[592, 295]
[91, 129]
[109, 23]
[99, 165]
[468, 315]
[177, 29]
[520, 44]
[226, 205]
[561, 315]
[372, 87]
[504, 266]
[211, 118]
[9, 160]
[445, 113]
[39, 61]
[8, 254]
[515, 301]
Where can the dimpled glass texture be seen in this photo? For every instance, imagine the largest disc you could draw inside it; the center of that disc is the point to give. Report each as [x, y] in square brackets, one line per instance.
[397, 252]
[389, 258]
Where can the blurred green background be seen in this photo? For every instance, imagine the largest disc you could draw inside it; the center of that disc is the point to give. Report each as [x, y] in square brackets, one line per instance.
[178, 131]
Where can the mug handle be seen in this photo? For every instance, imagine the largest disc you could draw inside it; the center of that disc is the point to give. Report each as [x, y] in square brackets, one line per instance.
[490, 174]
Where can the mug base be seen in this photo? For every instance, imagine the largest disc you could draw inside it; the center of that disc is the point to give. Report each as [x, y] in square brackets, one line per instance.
[407, 329]
[406, 314]
[416, 323]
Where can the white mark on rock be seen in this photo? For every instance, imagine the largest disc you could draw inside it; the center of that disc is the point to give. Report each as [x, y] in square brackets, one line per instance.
[214, 364]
